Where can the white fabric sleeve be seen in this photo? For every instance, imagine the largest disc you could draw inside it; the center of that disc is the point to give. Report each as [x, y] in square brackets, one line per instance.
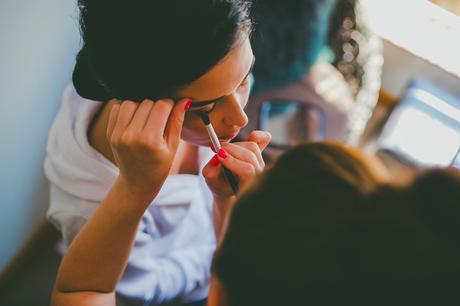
[160, 267]
[183, 272]
[69, 225]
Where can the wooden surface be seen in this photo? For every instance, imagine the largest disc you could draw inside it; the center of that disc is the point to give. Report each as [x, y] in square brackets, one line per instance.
[400, 170]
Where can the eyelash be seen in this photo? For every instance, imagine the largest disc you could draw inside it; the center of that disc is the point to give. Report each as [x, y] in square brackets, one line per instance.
[207, 111]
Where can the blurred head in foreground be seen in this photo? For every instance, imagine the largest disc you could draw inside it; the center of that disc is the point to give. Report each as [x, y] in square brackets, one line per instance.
[323, 225]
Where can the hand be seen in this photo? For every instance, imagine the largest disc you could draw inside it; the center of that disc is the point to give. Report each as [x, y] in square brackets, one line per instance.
[243, 159]
[144, 138]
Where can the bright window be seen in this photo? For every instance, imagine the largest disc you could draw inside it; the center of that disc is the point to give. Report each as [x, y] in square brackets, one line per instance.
[428, 30]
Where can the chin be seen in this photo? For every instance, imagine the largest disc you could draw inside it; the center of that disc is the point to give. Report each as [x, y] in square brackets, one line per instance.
[198, 142]
[202, 141]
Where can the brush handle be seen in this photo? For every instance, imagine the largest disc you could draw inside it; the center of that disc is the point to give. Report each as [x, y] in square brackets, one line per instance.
[216, 143]
[231, 180]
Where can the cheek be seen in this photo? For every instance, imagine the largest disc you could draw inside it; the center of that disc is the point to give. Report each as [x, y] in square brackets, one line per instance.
[245, 96]
[193, 130]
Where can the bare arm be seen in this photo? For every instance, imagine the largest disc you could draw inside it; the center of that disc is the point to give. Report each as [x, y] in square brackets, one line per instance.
[98, 255]
[220, 210]
[144, 139]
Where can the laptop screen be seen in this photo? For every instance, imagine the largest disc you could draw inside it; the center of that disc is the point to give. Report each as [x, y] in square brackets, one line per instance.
[424, 128]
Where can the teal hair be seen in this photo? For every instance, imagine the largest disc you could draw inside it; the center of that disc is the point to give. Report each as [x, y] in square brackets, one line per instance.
[289, 38]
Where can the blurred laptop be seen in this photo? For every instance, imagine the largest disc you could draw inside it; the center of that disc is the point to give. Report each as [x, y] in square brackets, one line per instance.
[424, 128]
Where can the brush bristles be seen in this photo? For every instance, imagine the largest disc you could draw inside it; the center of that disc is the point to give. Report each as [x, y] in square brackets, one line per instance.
[205, 118]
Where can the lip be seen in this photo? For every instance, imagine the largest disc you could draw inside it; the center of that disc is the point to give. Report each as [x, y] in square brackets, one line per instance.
[228, 137]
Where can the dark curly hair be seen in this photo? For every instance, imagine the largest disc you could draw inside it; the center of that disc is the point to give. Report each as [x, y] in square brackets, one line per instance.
[147, 49]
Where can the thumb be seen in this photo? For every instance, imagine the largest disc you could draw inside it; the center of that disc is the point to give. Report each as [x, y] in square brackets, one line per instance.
[211, 171]
[261, 138]
[176, 121]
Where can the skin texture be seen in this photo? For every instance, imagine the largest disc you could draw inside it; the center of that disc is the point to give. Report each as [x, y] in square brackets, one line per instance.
[144, 141]
[228, 80]
[217, 295]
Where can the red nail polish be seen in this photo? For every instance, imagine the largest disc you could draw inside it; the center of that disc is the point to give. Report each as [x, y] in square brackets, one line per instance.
[222, 153]
[187, 105]
[212, 148]
[214, 161]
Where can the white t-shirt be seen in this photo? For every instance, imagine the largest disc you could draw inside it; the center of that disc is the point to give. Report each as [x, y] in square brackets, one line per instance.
[175, 241]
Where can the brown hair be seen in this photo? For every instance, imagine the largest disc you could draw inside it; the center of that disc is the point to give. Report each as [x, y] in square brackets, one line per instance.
[320, 226]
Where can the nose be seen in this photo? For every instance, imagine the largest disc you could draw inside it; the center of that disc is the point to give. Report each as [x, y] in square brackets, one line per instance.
[234, 116]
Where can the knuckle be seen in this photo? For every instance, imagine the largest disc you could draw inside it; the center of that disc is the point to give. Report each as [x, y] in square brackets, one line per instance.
[254, 160]
[164, 103]
[249, 170]
[227, 145]
[262, 165]
[128, 105]
[146, 104]
[207, 171]
[127, 139]
[253, 147]
[179, 120]
[209, 174]
[150, 139]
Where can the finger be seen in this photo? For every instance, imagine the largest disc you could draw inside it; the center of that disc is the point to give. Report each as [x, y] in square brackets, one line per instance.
[125, 115]
[212, 170]
[158, 117]
[253, 147]
[176, 121]
[261, 138]
[112, 120]
[248, 152]
[240, 168]
[140, 116]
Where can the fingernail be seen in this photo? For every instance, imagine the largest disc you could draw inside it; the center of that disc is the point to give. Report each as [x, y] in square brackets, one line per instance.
[187, 105]
[222, 153]
[214, 161]
[212, 148]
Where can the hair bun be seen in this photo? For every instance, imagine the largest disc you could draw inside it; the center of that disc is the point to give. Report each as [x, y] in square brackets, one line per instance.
[84, 80]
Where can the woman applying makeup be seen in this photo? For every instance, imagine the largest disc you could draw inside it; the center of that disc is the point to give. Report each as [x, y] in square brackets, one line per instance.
[129, 132]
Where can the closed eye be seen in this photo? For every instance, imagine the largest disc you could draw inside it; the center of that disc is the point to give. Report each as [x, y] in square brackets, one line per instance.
[205, 109]
[210, 105]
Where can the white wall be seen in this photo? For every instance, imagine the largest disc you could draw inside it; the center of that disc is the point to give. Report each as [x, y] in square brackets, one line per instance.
[401, 66]
[38, 43]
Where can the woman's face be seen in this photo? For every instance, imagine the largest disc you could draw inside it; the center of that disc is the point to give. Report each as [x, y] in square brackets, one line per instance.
[222, 93]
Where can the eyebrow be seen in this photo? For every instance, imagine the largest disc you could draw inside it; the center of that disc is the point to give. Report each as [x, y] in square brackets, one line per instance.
[206, 102]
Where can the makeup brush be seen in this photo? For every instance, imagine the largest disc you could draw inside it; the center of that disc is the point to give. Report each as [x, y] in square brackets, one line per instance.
[216, 143]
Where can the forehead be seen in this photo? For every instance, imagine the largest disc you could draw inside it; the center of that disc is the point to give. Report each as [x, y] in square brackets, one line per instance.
[224, 78]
